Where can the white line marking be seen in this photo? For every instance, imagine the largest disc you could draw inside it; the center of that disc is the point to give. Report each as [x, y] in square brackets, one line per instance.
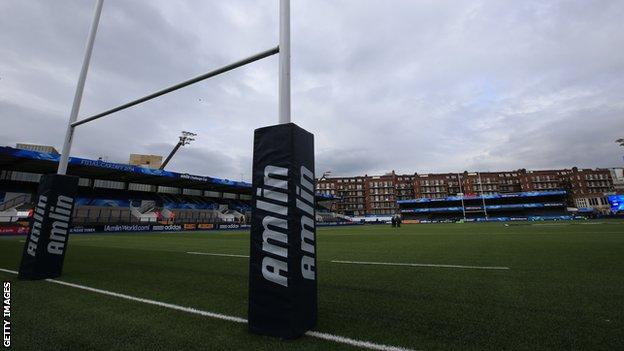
[355, 342]
[320, 335]
[419, 265]
[153, 302]
[369, 263]
[147, 301]
[215, 254]
[549, 224]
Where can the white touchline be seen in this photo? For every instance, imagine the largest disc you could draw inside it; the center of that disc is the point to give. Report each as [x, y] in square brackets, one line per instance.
[419, 265]
[215, 254]
[320, 335]
[152, 302]
[355, 342]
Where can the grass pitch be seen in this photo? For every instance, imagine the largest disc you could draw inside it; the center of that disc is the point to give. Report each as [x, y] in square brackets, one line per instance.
[564, 289]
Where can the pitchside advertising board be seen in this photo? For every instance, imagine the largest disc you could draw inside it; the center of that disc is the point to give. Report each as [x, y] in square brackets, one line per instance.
[46, 244]
[119, 228]
[282, 265]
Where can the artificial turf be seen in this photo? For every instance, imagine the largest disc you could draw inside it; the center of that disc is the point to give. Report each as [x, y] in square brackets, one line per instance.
[564, 290]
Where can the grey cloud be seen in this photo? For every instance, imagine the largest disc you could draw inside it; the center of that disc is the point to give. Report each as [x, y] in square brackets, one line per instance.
[349, 162]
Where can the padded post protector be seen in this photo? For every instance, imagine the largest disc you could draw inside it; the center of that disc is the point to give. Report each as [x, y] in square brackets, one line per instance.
[282, 264]
[46, 243]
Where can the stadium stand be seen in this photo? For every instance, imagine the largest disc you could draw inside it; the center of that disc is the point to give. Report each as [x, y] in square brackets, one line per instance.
[14, 207]
[325, 216]
[120, 194]
[535, 205]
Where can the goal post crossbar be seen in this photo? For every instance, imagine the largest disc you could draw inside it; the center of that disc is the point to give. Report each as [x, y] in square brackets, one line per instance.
[213, 73]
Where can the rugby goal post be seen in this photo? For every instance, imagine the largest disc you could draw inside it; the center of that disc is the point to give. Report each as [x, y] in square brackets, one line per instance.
[282, 265]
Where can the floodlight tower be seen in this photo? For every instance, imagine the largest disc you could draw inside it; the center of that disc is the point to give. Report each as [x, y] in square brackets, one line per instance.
[185, 139]
[325, 175]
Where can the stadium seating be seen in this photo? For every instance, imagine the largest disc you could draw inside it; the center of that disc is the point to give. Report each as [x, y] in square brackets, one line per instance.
[169, 208]
[15, 208]
[102, 215]
[114, 206]
[195, 216]
[326, 216]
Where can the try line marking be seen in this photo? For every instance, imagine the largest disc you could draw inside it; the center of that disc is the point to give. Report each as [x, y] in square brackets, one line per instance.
[315, 334]
[420, 265]
[369, 263]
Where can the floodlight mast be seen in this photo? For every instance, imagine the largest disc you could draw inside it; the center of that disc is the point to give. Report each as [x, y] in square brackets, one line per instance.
[73, 115]
[185, 139]
[325, 175]
[284, 62]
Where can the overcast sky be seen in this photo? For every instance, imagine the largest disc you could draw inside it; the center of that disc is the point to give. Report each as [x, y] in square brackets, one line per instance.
[410, 86]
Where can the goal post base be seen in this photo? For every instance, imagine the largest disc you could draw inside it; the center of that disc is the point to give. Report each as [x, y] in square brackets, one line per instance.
[46, 243]
[282, 264]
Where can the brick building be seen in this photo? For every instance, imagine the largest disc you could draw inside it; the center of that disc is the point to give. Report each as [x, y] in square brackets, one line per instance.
[350, 190]
[377, 195]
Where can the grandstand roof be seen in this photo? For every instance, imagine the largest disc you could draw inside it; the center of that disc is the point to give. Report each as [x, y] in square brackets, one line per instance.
[44, 163]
